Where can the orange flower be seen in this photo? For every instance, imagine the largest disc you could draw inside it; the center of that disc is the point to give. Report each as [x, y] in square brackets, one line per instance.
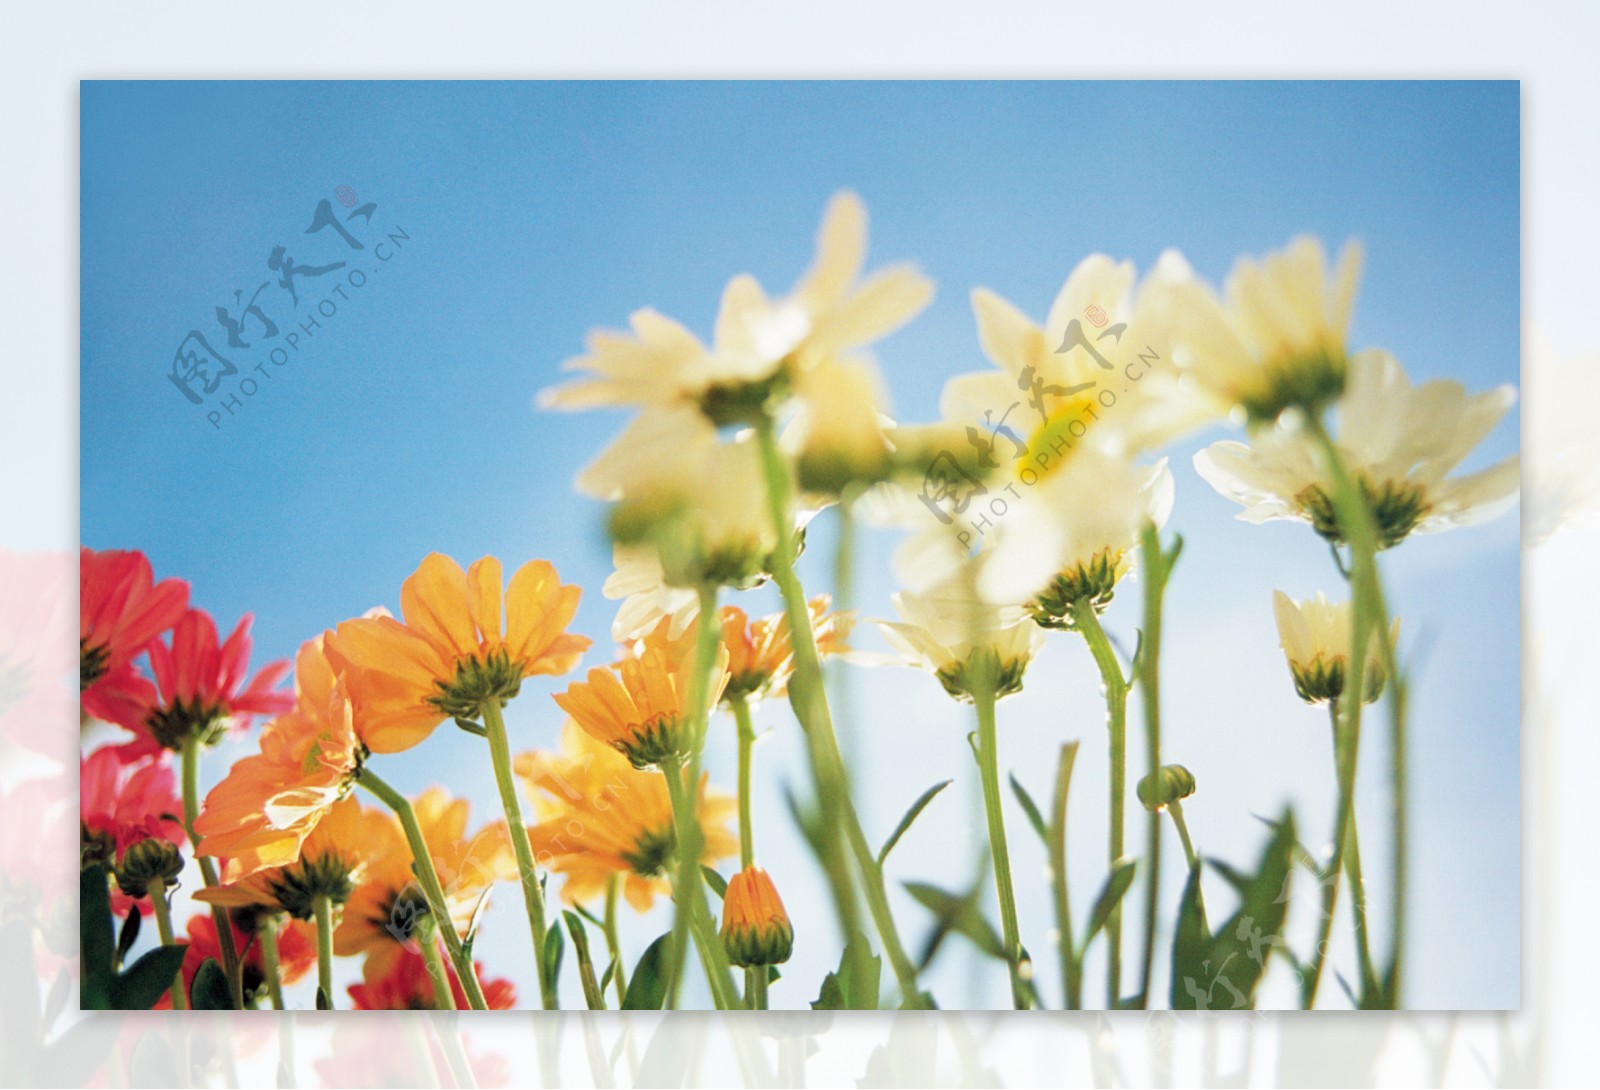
[755, 927]
[600, 817]
[760, 655]
[385, 908]
[261, 813]
[453, 652]
[332, 860]
[639, 706]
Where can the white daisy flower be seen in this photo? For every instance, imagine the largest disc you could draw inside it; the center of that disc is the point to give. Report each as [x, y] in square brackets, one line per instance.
[962, 640]
[1315, 635]
[1400, 442]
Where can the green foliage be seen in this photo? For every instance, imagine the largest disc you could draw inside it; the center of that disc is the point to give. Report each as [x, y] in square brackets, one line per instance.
[854, 986]
[648, 988]
[102, 984]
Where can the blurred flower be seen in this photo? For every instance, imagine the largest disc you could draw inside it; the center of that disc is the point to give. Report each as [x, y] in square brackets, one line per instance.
[200, 688]
[600, 817]
[759, 342]
[1279, 339]
[387, 906]
[119, 807]
[1562, 442]
[1173, 783]
[403, 984]
[35, 626]
[332, 859]
[755, 926]
[261, 813]
[641, 582]
[1072, 536]
[453, 653]
[968, 644]
[840, 440]
[638, 705]
[760, 655]
[1399, 441]
[1315, 636]
[122, 610]
[1048, 386]
[297, 953]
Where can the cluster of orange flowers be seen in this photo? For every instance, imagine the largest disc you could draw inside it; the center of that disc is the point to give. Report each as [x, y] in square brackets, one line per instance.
[291, 836]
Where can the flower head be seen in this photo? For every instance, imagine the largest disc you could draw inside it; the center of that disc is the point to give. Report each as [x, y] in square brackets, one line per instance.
[122, 808]
[387, 905]
[600, 817]
[1399, 441]
[760, 654]
[455, 650]
[1279, 339]
[202, 688]
[640, 704]
[755, 927]
[1316, 637]
[759, 342]
[970, 645]
[332, 860]
[402, 983]
[122, 610]
[270, 802]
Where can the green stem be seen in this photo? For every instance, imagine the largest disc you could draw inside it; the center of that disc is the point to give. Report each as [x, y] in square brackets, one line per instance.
[158, 900]
[756, 987]
[1369, 622]
[1176, 809]
[532, 892]
[747, 741]
[619, 975]
[1330, 877]
[689, 894]
[322, 909]
[267, 935]
[989, 765]
[1116, 686]
[208, 870]
[1157, 565]
[1071, 964]
[810, 702]
[444, 998]
[428, 879]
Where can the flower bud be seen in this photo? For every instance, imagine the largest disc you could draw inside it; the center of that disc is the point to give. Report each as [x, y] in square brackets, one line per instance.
[151, 862]
[755, 927]
[1173, 783]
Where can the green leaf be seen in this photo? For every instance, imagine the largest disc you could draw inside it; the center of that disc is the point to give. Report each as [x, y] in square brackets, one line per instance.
[209, 989]
[718, 884]
[854, 985]
[911, 815]
[129, 934]
[323, 1002]
[648, 988]
[95, 939]
[592, 993]
[1031, 809]
[1191, 945]
[959, 914]
[147, 980]
[1111, 894]
[555, 946]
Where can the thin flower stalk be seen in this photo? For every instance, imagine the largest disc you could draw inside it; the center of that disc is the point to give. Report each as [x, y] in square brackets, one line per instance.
[163, 914]
[208, 870]
[322, 909]
[810, 702]
[989, 766]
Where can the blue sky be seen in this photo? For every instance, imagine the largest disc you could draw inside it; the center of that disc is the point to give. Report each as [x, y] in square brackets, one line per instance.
[526, 214]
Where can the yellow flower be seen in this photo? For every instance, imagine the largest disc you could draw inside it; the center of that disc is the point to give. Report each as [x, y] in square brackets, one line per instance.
[760, 655]
[755, 927]
[385, 908]
[966, 643]
[332, 860]
[261, 813]
[600, 817]
[1278, 341]
[455, 651]
[1316, 635]
[639, 705]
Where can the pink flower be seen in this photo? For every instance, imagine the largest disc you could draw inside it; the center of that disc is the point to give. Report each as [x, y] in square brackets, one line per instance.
[200, 688]
[122, 610]
[120, 805]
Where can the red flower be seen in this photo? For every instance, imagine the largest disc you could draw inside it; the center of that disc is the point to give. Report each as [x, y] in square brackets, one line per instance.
[297, 954]
[119, 806]
[199, 688]
[121, 611]
[404, 985]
